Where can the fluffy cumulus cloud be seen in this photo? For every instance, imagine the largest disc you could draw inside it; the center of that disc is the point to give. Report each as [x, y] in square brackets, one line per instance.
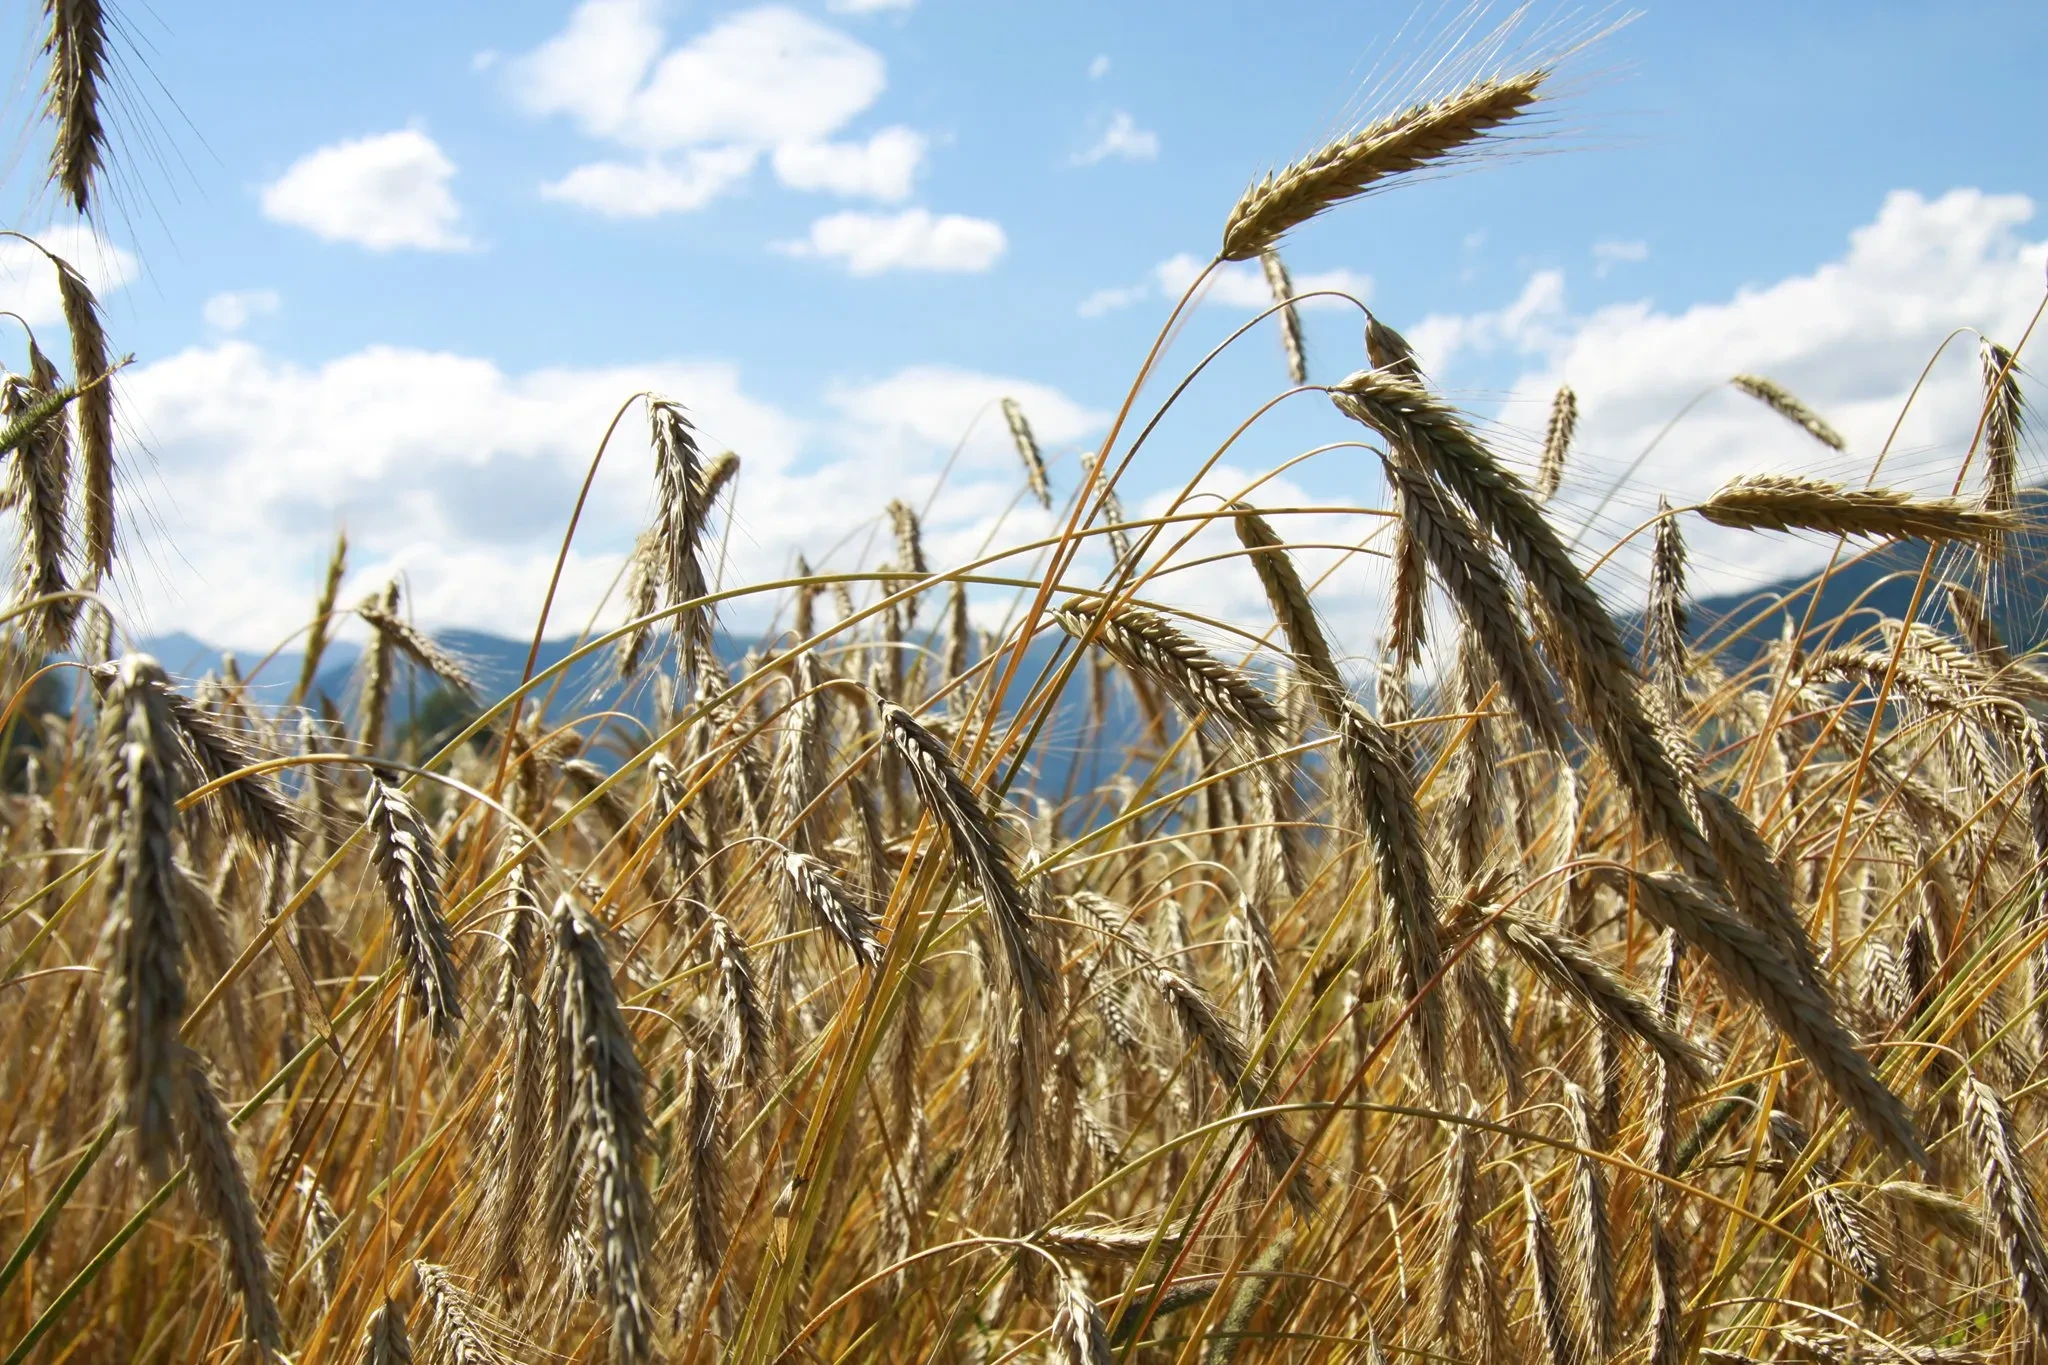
[1240, 285]
[460, 475]
[678, 184]
[882, 168]
[1849, 338]
[28, 282]
[384, 192]
[1121, 139]
[694, 118]
[232, 310]
[868, 6]
[872, 243]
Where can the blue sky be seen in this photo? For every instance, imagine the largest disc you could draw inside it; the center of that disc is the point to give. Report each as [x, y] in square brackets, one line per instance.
[396, 264]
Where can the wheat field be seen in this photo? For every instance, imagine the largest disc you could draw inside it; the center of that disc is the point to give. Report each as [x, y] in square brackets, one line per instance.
[1593, 984]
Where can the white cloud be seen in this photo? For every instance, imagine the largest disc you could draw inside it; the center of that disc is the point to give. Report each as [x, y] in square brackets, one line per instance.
[1529, 323]
[1111, 300]
[759, 77]
[593, 68]
[883, 167]
[231, 310]
[915, 239]
[934, 405]
[867, 6]
[1098, 68]
[1609, 254]
[1850, 338]
[28, 282]
[459, 473]
[764, 79]
[1243, 284]
[380, 192]
[683, 184]
[1122, 139]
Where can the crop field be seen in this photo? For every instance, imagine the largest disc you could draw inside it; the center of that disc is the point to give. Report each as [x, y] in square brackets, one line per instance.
[1553, 976]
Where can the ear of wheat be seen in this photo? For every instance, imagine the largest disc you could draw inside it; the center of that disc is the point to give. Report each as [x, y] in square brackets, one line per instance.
[1417, 137]
[323, 621]
[38, 486]
[408, 864]
[1785, 502]
[1775, 397]
[93, 375]
[971, 835]
[1282, 287]
[76, 50]
[1027, 451]
[145, 980]
[1557, 442]
[2009, 1197]
[600, 1126]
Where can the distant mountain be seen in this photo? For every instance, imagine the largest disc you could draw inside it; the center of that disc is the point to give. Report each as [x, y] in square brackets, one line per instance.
[1072, 755]
[1869, 586]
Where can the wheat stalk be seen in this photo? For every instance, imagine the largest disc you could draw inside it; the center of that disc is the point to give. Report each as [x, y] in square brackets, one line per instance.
[2004, 425]
[1079, 1335]
[145, 984]
[1595, 665]
[75, 49]
[1843, 1224]
[1314, 660]
[643, 600]
[374, 699]
[1209, 1034]
[720, 470]
[1592, 1246]
[420, 648]
[323, 619]
[94, 408]
[977, 849]
[385, 1341]
[2008, 1196]
[38, 487]
[1787, 502]
[681, 510]
[600, 1128]
[1778, 400]
[1148, 643]
[1027, 451]
[221, 1189]
[1751, 964]
[1469, 573]
[816, 889]
[408, 865]
[1382, 796]
[1459, 1203]
[1666, 1345]
[1572, 968]
[1282, 288]
[1422, 135]
[1664, 639]
[1557, 442]
[1561, 1342]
